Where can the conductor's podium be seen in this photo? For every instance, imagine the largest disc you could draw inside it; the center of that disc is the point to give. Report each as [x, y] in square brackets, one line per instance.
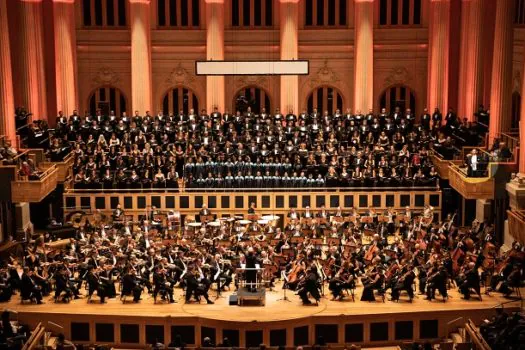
[245, 297]
[250, 292]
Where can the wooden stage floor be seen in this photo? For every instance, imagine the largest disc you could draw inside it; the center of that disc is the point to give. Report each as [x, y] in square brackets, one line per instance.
[274, 310]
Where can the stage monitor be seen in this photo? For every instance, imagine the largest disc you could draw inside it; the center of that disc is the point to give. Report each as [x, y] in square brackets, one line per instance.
[290, 67]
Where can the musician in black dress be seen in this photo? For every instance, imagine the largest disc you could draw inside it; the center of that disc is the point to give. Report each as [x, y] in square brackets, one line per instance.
[375, 282]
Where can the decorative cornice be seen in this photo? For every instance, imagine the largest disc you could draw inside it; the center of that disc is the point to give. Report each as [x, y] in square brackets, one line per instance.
[106, 76]
[179, 76]
[398, 76]
[147, 2]
[64, 1]
[324, 76]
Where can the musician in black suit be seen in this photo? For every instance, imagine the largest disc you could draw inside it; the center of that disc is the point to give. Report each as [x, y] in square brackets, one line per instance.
[28, 288]
[131, 285]
[471, 281]
[94, 284]
[194, 288]
[162, 286]
[309, 286]
[62, 285]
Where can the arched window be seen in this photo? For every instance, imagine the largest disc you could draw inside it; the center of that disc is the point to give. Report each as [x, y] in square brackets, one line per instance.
[181, 13]
[398, 96]
[516, 110]
[399, 12]
[107, 99]
[104, 13]
[251, 96]
[325, 98]
[180, 98]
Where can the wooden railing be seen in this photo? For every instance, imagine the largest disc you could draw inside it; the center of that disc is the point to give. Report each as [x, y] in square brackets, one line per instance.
[517, 224]
[64, 167]
[476, 338]
[34, 191]
[267, 201]
[35, 337]
[470, 187]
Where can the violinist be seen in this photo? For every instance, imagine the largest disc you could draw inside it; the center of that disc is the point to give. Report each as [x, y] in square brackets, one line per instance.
[28, 288]
[404, 283]
[94, 284]
[63, 284]
[373, 282]
[161, 285]
[437, 280]
[194, 287]
[343, 279]
[309, 286]
[131, 285]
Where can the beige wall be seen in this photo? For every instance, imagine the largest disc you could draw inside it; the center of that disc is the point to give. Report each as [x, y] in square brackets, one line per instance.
[400, 57]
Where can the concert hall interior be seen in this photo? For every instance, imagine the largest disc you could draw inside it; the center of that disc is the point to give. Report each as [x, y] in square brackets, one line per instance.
[262, 174]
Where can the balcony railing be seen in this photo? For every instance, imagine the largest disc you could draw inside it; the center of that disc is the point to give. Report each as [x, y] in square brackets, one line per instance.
[34, 191]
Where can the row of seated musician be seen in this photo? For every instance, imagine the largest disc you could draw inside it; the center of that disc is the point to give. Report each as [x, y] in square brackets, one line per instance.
[311, 145]
[141, 258]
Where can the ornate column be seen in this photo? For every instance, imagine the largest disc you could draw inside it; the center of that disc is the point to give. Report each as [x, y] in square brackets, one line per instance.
[7, 103]
[522, 125]
[463, 53]
[140, 55]
[289, 11]
[501, 94]
[32, 80]
[215, 52]
[65, 55]
[474, 66]
[364, 55]
[438, 58]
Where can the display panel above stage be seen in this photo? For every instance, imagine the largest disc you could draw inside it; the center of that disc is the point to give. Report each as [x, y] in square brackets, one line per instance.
[292, 67]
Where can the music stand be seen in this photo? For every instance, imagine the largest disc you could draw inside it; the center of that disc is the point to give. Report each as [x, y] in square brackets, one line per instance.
[284, 298]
